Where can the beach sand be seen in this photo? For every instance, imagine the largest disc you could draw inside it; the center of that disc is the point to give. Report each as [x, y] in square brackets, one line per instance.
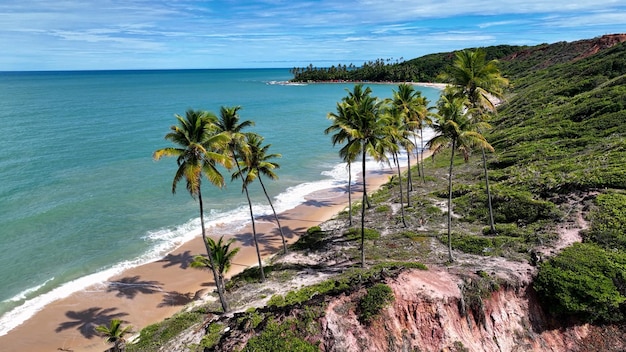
[152, 292]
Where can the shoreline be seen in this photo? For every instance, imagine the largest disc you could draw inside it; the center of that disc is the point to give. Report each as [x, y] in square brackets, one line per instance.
[152, 292]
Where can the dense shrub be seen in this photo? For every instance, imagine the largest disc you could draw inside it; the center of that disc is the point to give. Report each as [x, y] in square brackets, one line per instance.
[376, 298]
[608, 221]
[156, 335]
[586, 281]
[278, 337]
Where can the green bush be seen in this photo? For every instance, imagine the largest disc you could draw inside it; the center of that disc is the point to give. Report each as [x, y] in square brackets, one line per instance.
[278, 338]
[156, 335]
[312, 240]
[586, 281]
[485, 245]
[377, 297]
[355, 234]
[608, 221]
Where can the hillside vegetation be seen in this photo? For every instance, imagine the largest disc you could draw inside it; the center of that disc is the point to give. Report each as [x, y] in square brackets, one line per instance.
[559, 166]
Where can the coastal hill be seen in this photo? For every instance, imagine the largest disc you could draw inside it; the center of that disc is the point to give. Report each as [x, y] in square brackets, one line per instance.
[552, 279]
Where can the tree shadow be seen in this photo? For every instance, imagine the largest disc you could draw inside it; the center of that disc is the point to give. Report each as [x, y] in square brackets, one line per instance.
[182, 259]
[87, 320]
[130, 287]
[174, 298]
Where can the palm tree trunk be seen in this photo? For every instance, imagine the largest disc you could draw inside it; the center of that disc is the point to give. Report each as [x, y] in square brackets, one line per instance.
[422, 153]
[409, 183]
[256, 242]
[450, 204]
[491, 222]
[218, 284]
[282, 235]
[363, 217]
[349, 194]
[400, 184]
[417, 157]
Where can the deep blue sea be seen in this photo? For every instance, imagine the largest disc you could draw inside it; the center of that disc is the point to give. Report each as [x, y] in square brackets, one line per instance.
[81, 197]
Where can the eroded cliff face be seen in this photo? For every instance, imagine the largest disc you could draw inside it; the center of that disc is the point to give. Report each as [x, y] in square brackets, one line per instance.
[426, 316]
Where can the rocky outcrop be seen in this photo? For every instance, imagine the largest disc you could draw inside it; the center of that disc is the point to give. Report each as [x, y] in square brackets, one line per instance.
[427, 316]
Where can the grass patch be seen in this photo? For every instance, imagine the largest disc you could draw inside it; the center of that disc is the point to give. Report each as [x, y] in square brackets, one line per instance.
[370, 305]
[152, 337]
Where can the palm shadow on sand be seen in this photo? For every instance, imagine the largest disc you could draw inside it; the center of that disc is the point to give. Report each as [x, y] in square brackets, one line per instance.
[182, 259]
[87, 320]
[174, 298]
[131, 286]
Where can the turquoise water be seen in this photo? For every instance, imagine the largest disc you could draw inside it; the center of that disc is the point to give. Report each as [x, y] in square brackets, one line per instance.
[81, 197]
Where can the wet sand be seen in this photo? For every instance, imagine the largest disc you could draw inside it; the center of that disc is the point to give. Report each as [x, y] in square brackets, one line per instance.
[152, 292]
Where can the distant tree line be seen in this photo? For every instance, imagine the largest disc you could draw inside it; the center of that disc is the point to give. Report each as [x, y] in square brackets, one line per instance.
[422, 69]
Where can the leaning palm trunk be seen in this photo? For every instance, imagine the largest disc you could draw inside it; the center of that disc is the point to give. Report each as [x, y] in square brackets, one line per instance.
[450, 204]
[349, 194]
[282, 235]
[492, 224]
[256, 242]
[218, 282]
[397, 162]
[363, 216]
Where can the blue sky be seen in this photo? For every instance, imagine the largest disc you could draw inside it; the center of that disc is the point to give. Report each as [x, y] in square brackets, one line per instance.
[142, 34]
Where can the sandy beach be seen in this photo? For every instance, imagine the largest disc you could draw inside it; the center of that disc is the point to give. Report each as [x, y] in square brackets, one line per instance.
[152, 292]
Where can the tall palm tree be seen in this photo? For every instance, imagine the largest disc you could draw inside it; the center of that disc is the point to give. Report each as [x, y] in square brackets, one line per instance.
[222, 257]
[455, 129]
[114, 333]
[479, 80]
[397, 134]
[350, 151]
[365, 132]
[228, 123]
[405, 102]
[256, 163]
[197, 155]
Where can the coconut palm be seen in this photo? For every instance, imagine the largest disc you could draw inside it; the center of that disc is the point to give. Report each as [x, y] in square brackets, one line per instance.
[114, 333]
[222, 257]
[365, 133]
[350, 151]
[414, 107]
[397, 133]
[228, 123]
[455, 129]
[479, 80]
[257, 163]
[196, 156]
[404, 101]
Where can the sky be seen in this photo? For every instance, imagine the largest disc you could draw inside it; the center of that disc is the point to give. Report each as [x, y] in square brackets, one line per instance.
[180, 34]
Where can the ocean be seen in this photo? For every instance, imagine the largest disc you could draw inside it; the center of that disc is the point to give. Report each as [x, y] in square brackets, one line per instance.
[81, 198]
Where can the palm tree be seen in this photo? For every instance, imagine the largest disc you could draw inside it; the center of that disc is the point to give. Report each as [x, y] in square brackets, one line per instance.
[256, 163]
[349, 152]
[196, 156]
[454, 128]
[114, 333]
[396, 133]
[365, 132]
[404, 101]
[222, 257]
[479, 80]
[228, 123]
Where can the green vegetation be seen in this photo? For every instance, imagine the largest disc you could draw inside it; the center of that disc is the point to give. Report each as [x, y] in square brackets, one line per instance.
[422, 69]
[608, 225]
[376, 298]
[354, 234]
[114, 333]
[277, 338]
[154, 336]
[586, 281]
[474, 291]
